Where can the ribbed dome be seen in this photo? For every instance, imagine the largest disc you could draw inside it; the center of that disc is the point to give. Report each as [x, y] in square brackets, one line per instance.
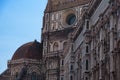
[31, 50]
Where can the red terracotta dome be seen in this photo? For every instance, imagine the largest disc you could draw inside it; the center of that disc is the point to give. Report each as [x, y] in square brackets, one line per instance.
[31, 50]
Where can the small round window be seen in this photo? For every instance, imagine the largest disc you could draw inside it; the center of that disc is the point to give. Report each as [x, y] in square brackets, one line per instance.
[70, 19]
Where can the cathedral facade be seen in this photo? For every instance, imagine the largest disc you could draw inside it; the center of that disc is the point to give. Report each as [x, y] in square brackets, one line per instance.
[80, 41]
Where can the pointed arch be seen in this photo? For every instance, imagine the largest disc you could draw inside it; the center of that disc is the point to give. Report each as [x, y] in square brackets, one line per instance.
[34, 69]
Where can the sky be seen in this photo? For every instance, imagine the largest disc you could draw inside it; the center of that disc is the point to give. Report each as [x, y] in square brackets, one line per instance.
[20, 22]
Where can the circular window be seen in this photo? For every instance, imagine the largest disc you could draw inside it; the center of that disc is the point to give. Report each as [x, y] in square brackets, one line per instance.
[70, 19]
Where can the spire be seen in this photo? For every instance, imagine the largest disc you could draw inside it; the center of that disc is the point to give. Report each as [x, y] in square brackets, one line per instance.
[54, 5]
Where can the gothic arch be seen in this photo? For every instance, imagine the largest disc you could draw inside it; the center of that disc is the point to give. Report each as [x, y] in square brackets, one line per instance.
[34, 69]
[15, 70]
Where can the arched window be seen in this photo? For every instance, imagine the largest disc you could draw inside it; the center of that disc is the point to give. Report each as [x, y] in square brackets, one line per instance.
[71, 67]
[118, 46]
[86, 78]
[55, 46]
[46, 26]
[87, 49]
[52, 26]
[62, 78]
[87, 24]
[86, 64]
[64, 45]
[71, 77]
[62, 62]
[16, 76]
[33, 76]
